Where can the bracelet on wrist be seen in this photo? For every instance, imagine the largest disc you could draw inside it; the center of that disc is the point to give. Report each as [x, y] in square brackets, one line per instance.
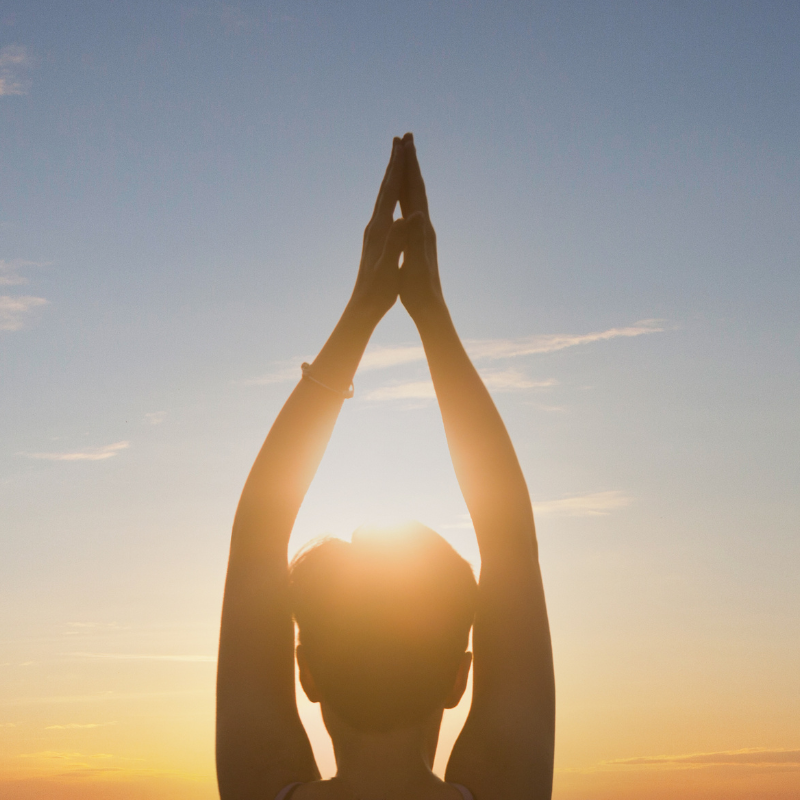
[345, 395]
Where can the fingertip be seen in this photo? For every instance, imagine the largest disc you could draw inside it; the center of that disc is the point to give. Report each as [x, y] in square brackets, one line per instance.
[398, 151]
[408, 137]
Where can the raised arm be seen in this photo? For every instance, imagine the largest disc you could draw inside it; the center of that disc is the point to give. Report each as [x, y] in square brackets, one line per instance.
[261, 744]
[506, 747]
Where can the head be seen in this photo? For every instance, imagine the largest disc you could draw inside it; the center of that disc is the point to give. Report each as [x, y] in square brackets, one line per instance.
[383, 625]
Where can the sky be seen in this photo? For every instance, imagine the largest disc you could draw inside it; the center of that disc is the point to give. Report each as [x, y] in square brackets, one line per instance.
[615, 188]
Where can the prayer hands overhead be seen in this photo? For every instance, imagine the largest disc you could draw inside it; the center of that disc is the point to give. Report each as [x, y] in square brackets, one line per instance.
[380, 278]
[420, 288]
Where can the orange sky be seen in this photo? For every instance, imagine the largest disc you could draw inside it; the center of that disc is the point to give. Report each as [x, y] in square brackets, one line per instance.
[183, 191]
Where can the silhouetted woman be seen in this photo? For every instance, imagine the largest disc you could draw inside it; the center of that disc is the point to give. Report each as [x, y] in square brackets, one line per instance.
[383, 622]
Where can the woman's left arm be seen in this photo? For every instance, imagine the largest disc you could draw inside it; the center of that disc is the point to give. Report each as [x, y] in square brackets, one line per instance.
[261, 743]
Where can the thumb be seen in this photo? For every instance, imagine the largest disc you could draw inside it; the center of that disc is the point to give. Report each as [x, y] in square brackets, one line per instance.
[394, 245]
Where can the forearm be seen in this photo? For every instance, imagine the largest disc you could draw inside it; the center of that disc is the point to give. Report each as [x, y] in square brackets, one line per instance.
[505, 747]
[261, 744]
[484, 460]
[256, 640]
[293, 449]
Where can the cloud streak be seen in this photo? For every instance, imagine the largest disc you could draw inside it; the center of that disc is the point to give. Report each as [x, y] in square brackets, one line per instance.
[10, 270]
[499, 381]
[283, 372]
[410, 390]
[63, 756]
[93, 625]
[595, 504]
[380, 357]
[194, 659]
[14, 59]
[751, 756]
[551, 343]
[91, 628]
[495, 349]
[91, 454]
[509, 380]
[14, 702]
[70, 726]
[14, 309]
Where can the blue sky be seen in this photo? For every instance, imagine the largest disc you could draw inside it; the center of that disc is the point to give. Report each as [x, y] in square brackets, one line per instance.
[183, 188]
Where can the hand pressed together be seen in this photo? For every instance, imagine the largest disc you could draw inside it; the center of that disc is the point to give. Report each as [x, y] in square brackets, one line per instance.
[380, 278]
[420, 287]
[378, 281]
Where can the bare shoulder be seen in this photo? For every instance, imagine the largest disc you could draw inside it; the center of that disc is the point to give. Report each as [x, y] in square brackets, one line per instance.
[496, 759]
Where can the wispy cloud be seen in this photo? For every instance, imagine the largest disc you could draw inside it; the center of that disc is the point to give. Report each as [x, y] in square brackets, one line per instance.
[60, 755]
[381, 357]
[464, 522]
[147, 657]
[75, 628]
[14, 309]
[384, 357]
[10, 84]
[155, 417]
[98, 697]
[78, 725]
[9, 272]
[411, 390]
[282, 372]
[94, 625]
[751, 756]
[14, 61]
[551, 343]
[91, 454]
[595, 504]
[508, 380]
[494, 349]
[14, 55]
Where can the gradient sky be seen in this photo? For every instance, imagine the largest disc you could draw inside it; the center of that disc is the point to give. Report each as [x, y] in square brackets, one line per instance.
[615, 187]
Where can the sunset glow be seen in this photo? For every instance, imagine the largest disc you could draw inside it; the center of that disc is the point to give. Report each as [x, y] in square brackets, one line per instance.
[615, 190]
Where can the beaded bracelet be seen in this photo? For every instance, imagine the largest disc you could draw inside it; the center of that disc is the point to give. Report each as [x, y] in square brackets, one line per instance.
[346, 395]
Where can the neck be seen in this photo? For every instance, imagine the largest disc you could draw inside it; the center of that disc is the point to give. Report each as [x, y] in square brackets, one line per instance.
[387, 764]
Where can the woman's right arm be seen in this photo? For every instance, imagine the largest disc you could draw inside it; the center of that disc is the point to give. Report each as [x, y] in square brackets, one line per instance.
[261, 744]
[506, 746]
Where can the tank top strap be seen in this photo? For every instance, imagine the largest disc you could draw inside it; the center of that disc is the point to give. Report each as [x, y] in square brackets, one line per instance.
[286, 792]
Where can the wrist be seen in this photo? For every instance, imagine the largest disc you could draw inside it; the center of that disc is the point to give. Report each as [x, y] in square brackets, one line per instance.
[361, 317]
[431, 315]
